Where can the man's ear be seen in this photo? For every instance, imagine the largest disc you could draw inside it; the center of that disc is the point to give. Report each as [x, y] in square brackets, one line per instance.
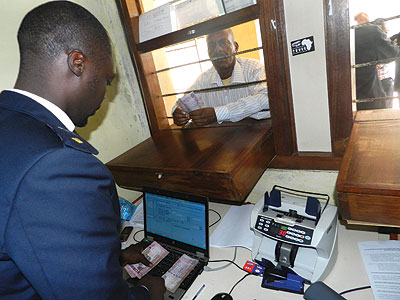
[76, 62]
[236, 46]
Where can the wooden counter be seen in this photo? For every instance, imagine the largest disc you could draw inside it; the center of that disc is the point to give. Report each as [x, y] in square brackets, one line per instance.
[368, 184]
[222, 162]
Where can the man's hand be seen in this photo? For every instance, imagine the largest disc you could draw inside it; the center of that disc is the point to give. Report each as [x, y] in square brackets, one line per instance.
[180, 117]
[132, 255]
[203, 116]
[155, 286]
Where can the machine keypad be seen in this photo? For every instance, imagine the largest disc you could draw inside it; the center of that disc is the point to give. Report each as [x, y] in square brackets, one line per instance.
[292, 234]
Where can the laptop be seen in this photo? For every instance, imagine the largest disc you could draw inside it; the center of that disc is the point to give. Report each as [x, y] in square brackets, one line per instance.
[179, 223]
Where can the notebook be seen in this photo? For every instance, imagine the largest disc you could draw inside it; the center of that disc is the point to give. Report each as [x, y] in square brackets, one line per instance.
[179, 223]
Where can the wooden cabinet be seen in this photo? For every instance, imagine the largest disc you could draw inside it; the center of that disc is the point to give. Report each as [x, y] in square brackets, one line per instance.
[222, 162]
[368, 184]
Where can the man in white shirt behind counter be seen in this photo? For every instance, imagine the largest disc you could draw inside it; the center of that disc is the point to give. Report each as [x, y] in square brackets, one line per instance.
[230, 104]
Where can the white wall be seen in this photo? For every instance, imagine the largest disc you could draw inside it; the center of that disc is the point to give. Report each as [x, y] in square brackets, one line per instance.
[305, 18]
[121, 122]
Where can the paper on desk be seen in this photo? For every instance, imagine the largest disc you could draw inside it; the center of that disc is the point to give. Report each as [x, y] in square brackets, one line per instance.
[234, 229]
[382, 263]
[137, 219]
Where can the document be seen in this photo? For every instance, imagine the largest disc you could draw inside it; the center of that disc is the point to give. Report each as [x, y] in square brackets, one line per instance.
[156, 22]
[382, 263]
[233, 5]
[178, 272]
[154, 254]
[193, 11]
[137, 220]
[234, 229]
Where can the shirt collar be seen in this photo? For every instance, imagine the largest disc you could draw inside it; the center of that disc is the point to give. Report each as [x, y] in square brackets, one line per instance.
[236, 77]
[237, 74]
[54, 109]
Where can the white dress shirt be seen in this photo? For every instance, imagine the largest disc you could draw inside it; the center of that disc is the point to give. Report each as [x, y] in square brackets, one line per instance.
[235, 104]
[54, 109]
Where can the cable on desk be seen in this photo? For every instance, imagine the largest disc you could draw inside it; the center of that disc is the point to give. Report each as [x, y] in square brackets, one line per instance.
[223, 260]
[137, 199]
[136, 234]
[241, 279]
[355, 289]
[218, 216]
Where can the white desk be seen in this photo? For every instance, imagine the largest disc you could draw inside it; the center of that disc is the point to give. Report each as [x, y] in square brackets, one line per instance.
[348, 270]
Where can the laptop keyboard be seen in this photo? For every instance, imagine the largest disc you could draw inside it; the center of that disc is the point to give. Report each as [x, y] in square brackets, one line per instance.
[164, 265]
[168, 261]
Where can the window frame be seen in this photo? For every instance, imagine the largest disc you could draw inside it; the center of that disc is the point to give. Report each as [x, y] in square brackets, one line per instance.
[270, 13]
[338, 63]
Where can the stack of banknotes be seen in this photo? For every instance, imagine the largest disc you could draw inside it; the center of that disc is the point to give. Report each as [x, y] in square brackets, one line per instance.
[173, 277]
[189, 103]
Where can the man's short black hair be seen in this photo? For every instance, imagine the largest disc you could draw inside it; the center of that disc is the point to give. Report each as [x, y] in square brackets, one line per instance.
[58, 27]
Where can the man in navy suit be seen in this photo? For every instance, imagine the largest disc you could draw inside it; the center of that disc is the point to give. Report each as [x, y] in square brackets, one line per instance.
[59, 209]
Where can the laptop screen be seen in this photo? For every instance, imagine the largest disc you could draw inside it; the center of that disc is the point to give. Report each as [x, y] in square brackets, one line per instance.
[177, 217]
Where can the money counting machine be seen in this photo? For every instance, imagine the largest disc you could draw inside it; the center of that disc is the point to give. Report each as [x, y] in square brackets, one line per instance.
[293, 232]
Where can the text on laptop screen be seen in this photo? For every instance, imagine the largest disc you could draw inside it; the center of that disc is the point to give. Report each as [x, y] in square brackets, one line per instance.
[176, 219]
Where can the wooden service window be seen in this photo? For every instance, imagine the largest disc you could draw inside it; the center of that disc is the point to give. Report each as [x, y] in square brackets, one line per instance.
[271, 18]
[164, 75]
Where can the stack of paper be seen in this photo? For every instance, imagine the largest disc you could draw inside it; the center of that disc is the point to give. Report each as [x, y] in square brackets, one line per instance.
[234, 229]
[382, 263]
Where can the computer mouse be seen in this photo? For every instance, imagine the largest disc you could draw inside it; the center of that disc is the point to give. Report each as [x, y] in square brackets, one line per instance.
[222, 296]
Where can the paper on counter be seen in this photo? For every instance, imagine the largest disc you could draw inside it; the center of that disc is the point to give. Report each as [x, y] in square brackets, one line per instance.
[382, 263]
[234, 229]
[137, 220]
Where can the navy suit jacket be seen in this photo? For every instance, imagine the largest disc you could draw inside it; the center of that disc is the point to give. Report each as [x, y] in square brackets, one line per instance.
[59, 211]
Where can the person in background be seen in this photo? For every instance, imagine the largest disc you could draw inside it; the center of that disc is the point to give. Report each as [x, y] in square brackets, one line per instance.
[396, 86]
[59, 209]
[383, 69]
[231, 104]
[371, 45]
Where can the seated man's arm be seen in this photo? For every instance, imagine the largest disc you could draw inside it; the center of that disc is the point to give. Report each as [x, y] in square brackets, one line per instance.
[234, 104]
[249, 106]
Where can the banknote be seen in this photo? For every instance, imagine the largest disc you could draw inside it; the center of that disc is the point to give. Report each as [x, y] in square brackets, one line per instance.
[189, 102]
[154, 254]
[178, 272]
